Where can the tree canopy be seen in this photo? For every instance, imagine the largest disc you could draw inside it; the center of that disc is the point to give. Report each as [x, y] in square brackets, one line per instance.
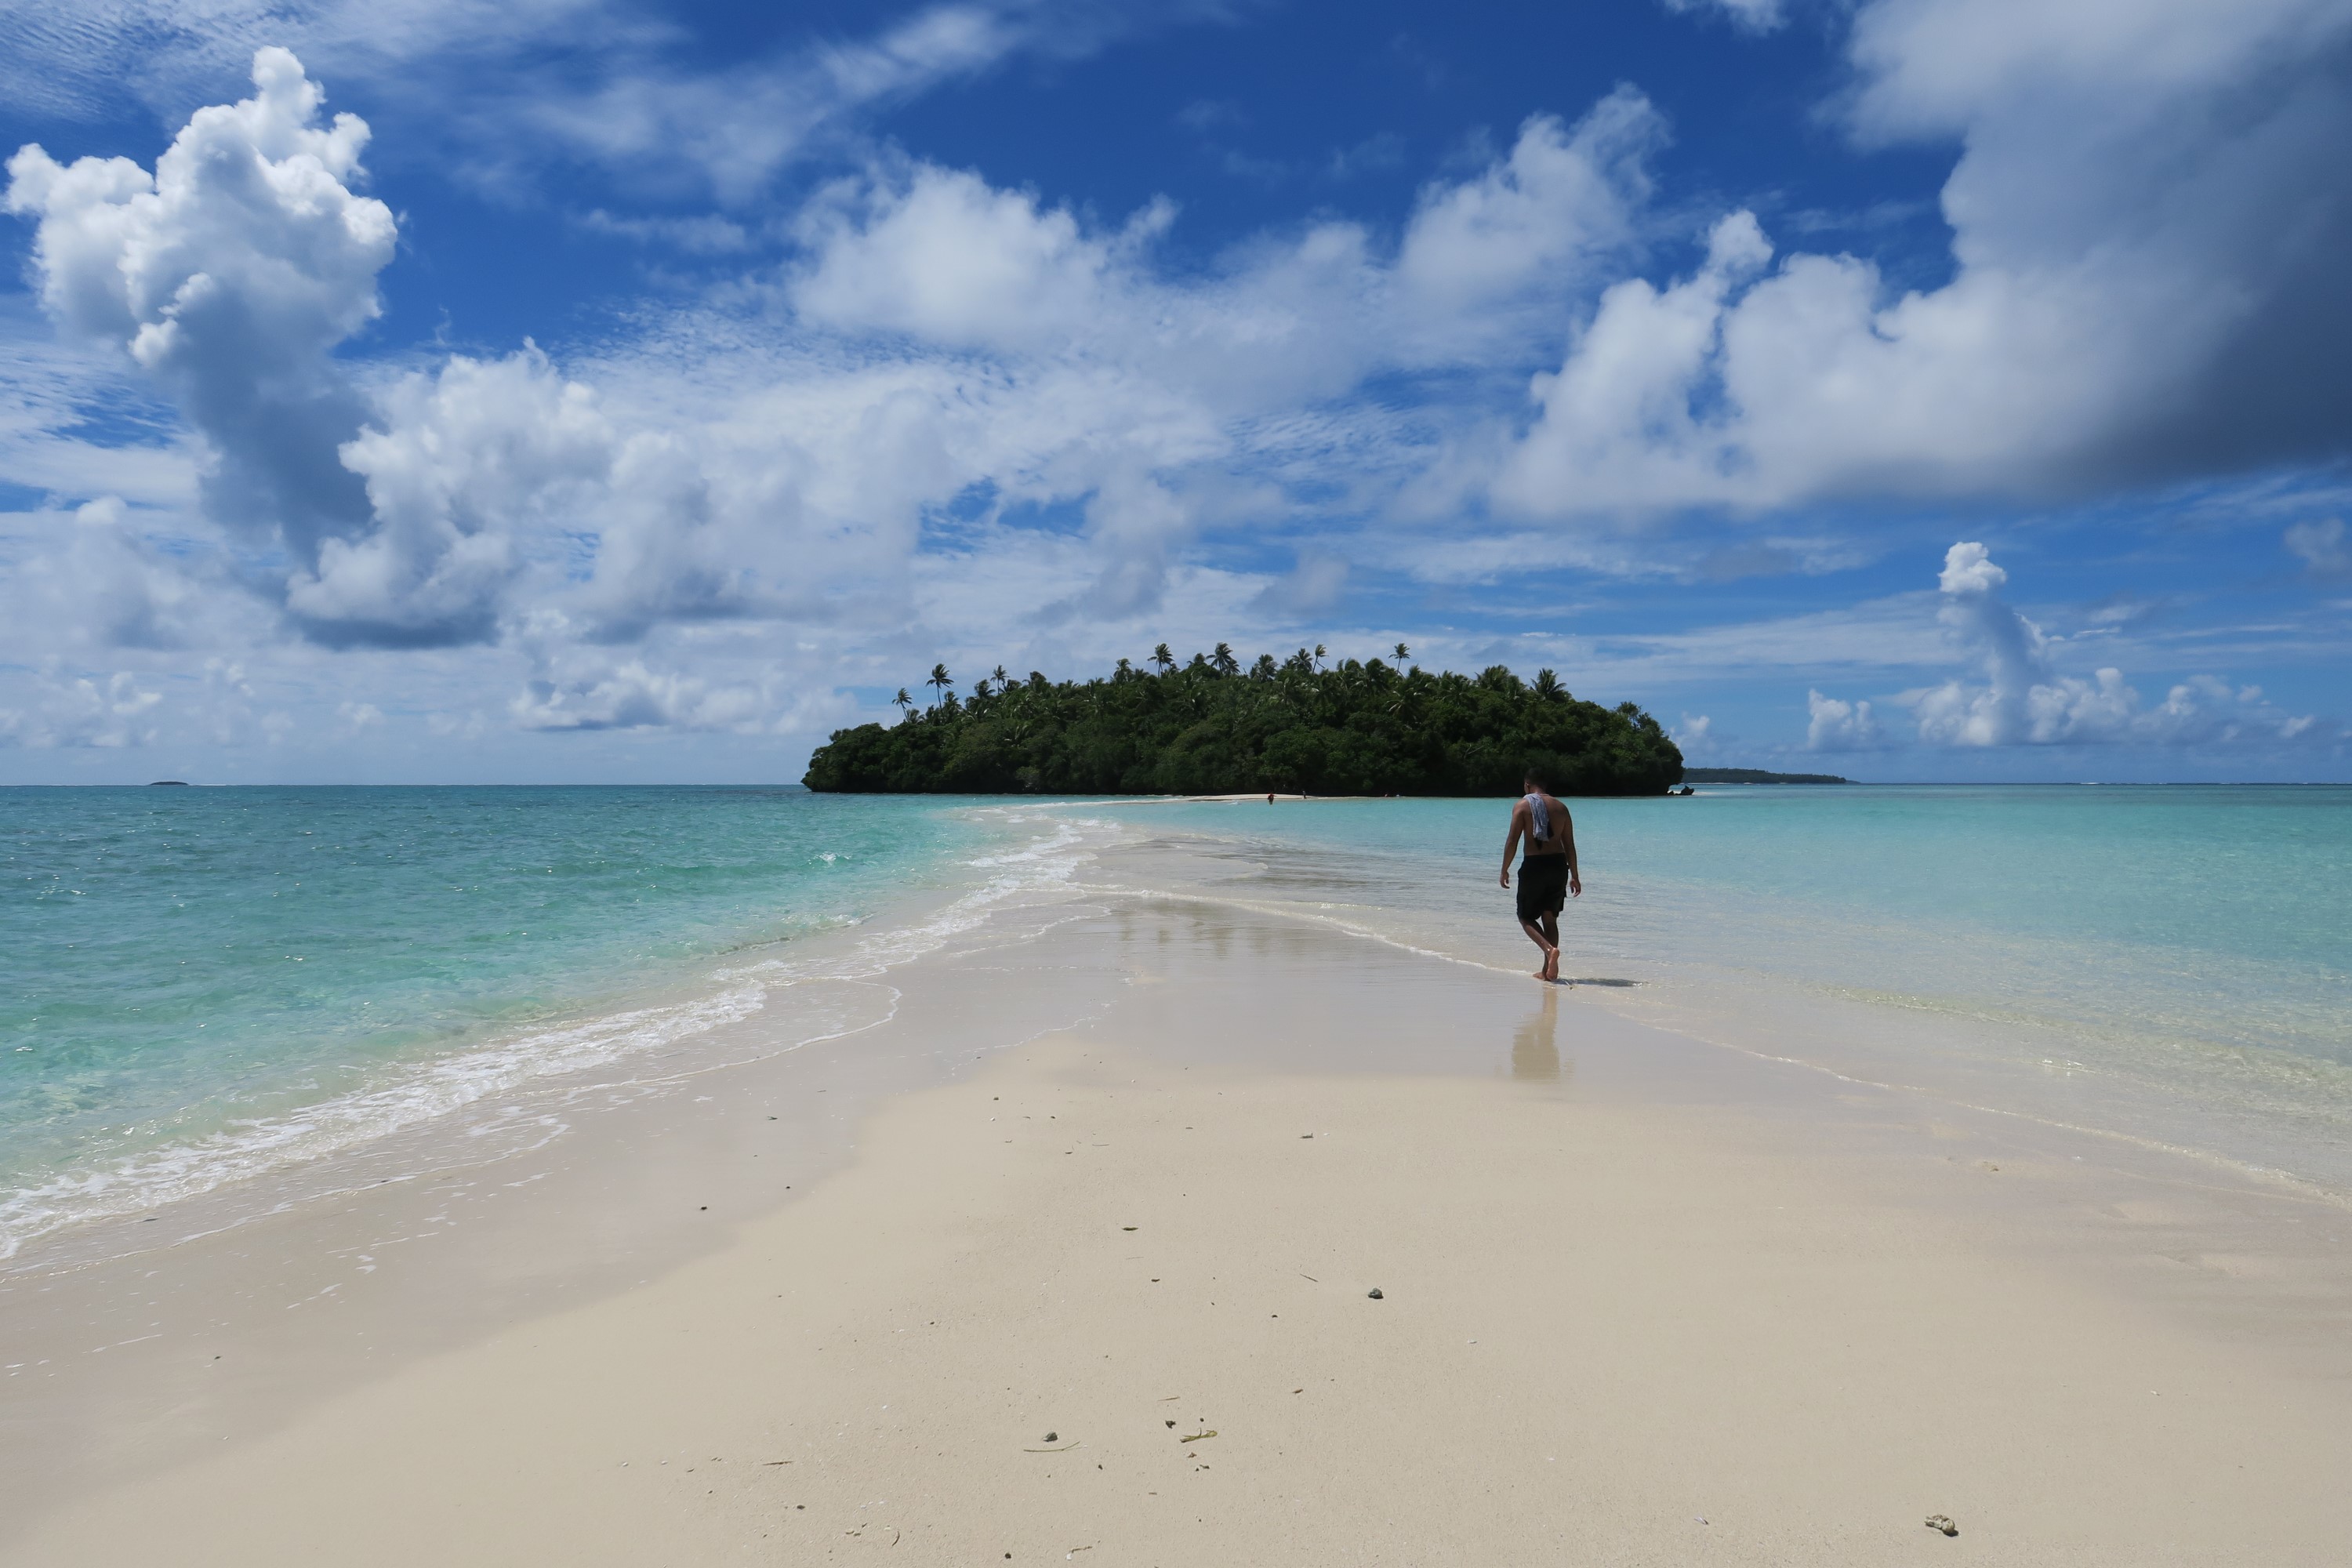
[1209, 726]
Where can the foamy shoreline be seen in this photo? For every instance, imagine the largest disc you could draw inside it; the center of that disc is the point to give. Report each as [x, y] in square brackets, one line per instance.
[421, 1114]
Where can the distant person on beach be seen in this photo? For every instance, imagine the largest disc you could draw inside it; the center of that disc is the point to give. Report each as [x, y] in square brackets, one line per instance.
[1547, 877]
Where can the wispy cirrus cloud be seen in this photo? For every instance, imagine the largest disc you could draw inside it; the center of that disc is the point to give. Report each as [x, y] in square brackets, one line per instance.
[506, 87]
[731, 129]
[82, 61]
[2321, 545]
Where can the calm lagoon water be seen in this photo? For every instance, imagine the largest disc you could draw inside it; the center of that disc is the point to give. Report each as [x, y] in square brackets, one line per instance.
[199, 985]
[2214, 913]
[2169, 964]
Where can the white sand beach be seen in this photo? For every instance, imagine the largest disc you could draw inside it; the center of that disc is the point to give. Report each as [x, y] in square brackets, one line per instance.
[1103, 1295]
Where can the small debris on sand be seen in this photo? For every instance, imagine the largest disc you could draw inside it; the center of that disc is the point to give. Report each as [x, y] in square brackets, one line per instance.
[1943, 1521]
[1373, 1294]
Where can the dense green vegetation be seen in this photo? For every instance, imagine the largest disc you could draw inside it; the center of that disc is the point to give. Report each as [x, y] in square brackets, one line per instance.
[1755, 776]
[1209, 727]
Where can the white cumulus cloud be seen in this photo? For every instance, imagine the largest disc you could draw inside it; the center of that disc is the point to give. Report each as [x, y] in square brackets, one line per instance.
[1561, 203]
[2147, 222]
[945, 258]
[1694, 736]
[463, 468]
[84, 710]
[227, 275]
[1834, 724]
[108, 585]
[2022, 699]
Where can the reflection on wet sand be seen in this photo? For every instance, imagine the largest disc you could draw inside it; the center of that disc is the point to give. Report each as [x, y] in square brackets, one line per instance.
[1535, 1052]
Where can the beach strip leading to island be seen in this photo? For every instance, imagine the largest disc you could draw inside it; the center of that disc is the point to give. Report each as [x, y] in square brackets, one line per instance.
[2161, 966]
[1076, 1253]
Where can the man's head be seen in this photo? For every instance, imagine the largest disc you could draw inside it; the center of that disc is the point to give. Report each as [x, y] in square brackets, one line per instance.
[1535, 782]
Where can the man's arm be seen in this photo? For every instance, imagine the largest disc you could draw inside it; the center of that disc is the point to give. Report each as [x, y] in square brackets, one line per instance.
[1511, 842]
[1568, 830]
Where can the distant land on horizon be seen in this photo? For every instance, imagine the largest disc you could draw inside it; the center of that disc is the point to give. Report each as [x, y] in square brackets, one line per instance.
[1756, 775]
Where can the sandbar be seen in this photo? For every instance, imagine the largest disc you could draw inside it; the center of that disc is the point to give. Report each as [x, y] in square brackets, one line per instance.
[1104, 1295]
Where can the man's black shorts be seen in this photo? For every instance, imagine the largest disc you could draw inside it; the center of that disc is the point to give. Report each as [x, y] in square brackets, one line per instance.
[1543, 886]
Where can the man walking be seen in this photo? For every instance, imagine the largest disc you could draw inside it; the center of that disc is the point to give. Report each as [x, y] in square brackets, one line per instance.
[1547, 877]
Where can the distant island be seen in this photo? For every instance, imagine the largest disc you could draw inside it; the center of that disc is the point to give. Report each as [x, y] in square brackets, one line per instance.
[1755, 776]
[1212, 726]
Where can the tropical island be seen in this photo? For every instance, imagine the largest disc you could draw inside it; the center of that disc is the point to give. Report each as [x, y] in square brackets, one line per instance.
[1212, 726]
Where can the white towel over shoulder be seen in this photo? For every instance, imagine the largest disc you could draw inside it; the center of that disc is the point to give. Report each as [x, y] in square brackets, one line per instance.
[1539, 815]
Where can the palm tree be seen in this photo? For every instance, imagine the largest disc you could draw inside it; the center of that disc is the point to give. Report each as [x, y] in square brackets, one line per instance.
[997, 674]
[1403, 653]
[1224, 662]
[939, 682]
[1548, 685]
[902, 702]
[1163, 659]
[1319, 652]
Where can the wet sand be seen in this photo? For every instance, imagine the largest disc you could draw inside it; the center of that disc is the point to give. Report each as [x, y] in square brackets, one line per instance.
[1642, 1301]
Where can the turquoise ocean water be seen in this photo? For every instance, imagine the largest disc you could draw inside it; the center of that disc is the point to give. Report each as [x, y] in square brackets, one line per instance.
[199, 984]
[2209, 914]
[2172, 965]
[198, 987]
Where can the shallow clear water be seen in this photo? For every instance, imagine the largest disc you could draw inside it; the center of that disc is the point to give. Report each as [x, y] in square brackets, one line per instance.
[187, 976]
[2221, 914]
[2180, 955]
[199, 986]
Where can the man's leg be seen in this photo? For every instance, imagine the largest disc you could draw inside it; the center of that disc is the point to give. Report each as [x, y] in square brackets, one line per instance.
[1551, 954]
[1551, 941]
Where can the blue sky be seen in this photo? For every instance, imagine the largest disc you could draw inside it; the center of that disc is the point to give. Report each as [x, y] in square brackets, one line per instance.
[581, 390]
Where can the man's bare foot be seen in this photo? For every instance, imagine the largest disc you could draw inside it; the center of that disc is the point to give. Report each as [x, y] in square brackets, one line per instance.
[1551, 964]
